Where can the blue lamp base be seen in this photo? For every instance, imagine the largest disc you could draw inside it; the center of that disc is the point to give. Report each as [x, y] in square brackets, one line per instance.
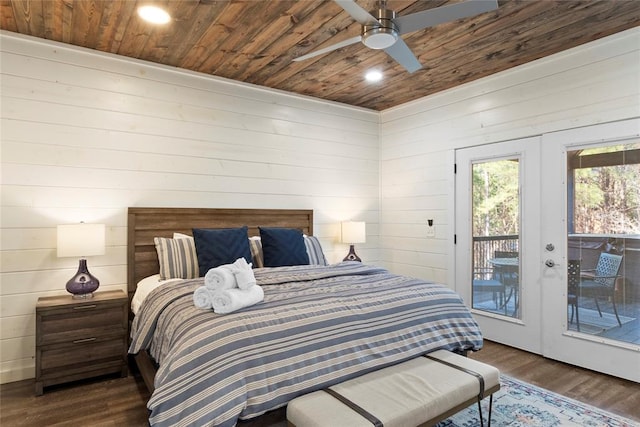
[83, 284]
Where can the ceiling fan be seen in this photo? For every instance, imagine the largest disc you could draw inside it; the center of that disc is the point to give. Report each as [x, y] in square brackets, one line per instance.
[383, 30]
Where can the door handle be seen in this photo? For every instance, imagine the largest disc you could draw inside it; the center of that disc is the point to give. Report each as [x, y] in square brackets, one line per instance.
[549, 263]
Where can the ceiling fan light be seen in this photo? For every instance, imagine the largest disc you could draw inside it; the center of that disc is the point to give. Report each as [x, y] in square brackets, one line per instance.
[153, 14]
[379, 38]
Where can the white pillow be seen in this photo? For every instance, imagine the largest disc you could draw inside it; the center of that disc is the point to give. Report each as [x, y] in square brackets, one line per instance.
[143, 288]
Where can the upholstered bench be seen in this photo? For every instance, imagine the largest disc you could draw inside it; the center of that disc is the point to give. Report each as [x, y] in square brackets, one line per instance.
[420, 391]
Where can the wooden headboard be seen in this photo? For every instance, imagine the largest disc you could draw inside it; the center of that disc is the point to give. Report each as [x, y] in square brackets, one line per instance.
[146, 223]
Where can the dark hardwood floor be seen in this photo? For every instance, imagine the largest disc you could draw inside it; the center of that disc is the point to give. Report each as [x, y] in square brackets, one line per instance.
[612, 394]
[121, 401]
[108, 401]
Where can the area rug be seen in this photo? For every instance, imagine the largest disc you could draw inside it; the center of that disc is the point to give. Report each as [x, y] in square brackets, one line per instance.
[518, 404]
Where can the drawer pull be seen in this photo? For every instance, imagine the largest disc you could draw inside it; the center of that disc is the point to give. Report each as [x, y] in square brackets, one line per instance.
[84, 307]
[84, 340]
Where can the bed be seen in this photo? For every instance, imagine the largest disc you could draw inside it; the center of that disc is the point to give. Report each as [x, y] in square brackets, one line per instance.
[318, 325]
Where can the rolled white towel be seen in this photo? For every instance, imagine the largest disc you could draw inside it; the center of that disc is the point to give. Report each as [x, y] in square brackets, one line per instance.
[203, 298]
[244, 273]
[230, 300]
[221, 278]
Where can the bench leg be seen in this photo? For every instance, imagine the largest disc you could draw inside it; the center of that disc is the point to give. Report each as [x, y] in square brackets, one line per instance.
[490, 410]
[480, 412]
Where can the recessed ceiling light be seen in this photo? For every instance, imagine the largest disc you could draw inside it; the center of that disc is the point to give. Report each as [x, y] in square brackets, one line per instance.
[153, 14]
[373, 76]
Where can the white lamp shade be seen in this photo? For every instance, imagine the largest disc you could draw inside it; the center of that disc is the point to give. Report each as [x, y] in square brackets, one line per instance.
[354, 232]
[80, 240]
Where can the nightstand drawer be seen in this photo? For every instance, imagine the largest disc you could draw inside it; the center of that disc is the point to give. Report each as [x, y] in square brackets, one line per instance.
[83, 352]
[69, 324]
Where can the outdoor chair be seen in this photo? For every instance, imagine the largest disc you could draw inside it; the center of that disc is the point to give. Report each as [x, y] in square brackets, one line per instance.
[483, 281]
[496, 280]
[573, 281]
[601, 281]
[506, 254]
[510, 279]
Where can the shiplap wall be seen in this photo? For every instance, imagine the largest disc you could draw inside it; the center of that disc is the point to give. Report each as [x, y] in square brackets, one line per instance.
[594, 83]
[84, 135]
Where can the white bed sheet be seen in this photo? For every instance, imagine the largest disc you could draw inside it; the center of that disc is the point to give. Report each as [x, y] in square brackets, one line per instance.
[144, 288]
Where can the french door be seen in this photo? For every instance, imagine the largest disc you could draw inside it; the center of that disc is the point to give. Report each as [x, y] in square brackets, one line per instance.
[498, 223]
[527, 214]
[576, 160]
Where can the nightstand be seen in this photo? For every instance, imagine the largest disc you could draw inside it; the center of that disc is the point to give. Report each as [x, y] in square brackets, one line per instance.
[80, 338]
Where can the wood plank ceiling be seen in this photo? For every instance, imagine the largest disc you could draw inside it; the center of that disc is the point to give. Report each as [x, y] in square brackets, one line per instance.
[255, 41]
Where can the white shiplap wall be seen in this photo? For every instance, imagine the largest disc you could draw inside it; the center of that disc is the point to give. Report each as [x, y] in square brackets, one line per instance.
[594, 83]
[84, 135]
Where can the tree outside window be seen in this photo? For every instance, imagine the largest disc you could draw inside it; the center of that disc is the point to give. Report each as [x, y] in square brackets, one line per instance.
[604, 190]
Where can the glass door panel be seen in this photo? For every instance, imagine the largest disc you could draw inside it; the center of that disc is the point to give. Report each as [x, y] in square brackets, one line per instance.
[495, 228]
[603, 241]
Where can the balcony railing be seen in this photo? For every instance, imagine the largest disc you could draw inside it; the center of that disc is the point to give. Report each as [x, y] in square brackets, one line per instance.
[484, 248]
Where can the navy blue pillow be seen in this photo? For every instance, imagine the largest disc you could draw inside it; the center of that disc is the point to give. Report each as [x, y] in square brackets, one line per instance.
[283, 246]
[216, 247]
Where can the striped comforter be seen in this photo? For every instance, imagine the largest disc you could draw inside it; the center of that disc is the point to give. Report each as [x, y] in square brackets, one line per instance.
[317, 326]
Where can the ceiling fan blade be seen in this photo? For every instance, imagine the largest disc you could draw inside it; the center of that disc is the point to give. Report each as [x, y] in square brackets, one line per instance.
[430, 17]
[356, 12]
[324, 50]
[403, 55]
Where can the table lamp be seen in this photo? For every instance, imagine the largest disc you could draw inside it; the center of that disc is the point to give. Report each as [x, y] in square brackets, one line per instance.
[81, 240]
[353, 232]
